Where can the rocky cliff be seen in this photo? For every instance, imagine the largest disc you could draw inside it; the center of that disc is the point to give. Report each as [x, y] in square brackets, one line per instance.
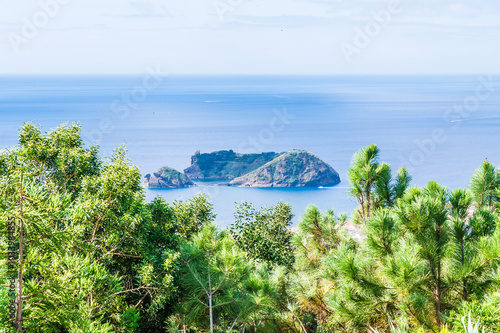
[225, 164]
[167, 178]
[296, 168]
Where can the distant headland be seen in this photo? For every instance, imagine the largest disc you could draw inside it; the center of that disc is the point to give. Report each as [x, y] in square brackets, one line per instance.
[295, 168]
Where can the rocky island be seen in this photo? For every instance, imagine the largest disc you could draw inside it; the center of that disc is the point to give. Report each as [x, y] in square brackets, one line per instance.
[167, 178]
[225, 164]
[296, 168]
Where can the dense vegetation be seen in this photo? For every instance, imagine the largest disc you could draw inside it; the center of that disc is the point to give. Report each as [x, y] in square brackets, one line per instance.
[295, 168]
[226, 164]
[95, 256]
[166, 177]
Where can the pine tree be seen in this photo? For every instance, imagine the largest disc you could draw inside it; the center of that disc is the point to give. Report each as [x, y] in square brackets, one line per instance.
[318, 237]
[483, 185]
[215, 281]
[422, 259]
[372, 183]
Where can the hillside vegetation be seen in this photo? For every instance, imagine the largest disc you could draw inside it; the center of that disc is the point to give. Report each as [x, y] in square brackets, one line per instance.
[92, 255]
[167, 178]
[296, 168]
[225, 164]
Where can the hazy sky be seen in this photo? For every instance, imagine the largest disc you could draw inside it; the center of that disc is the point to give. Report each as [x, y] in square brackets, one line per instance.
[250, 36]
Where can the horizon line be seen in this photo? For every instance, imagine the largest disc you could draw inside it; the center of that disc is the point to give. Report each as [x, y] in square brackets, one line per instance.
[247, 74]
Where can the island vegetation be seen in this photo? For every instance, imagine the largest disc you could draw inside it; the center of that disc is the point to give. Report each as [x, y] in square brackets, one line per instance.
[296, 168]
[92, 255]
[166, 177]
[225, 164]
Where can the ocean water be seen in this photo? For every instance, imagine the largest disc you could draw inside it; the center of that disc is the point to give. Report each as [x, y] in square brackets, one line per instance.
[440, 128]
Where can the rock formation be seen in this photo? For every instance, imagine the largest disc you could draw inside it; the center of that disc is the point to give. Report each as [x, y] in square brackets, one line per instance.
[225, 164]
[296, 168]
[167, 178]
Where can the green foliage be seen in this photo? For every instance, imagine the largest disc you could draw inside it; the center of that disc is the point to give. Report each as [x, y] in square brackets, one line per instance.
[485, 311]
[318, 232]
[291, 169]
[59, 153]
[389, 190]
[166, 177]
[96, 257]
[263, 233]
[62, 287]
[227, 164]
[484, 184]
[317, 240]
[215, 274]
[422, 258]
[363, 175]
[382, 233]
[190, 216]
[372, 184]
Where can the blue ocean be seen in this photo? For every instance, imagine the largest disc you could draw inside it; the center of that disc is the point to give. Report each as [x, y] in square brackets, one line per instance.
[440, 128]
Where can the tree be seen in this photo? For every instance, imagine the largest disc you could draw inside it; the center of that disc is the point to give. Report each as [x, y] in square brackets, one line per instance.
[59, 156]
[364, 296]
[23, 198]
[468, 236]
[89, 214]
[91, 255]
[140, 242]
[423, 259]
[423, 214]
[214, 275]
[39, 182]
[483, 185]
[318, 237]
[190, 216]
[382, 233]
[389, 190]
[372, 184]
[115, 227]
[168, 228]
[263, 233]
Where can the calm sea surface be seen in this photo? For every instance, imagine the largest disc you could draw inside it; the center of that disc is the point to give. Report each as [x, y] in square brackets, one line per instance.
[441, 128]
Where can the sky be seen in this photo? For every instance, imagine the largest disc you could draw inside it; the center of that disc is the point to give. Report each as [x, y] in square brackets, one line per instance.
[309, 37]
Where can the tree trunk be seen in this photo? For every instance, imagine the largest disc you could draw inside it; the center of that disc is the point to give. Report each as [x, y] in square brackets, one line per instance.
[301, 324]
[210, 297]
[211, 315]
[368, 204]
[438, 306]
[19, 300]
[464, 287]
[438, 289]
